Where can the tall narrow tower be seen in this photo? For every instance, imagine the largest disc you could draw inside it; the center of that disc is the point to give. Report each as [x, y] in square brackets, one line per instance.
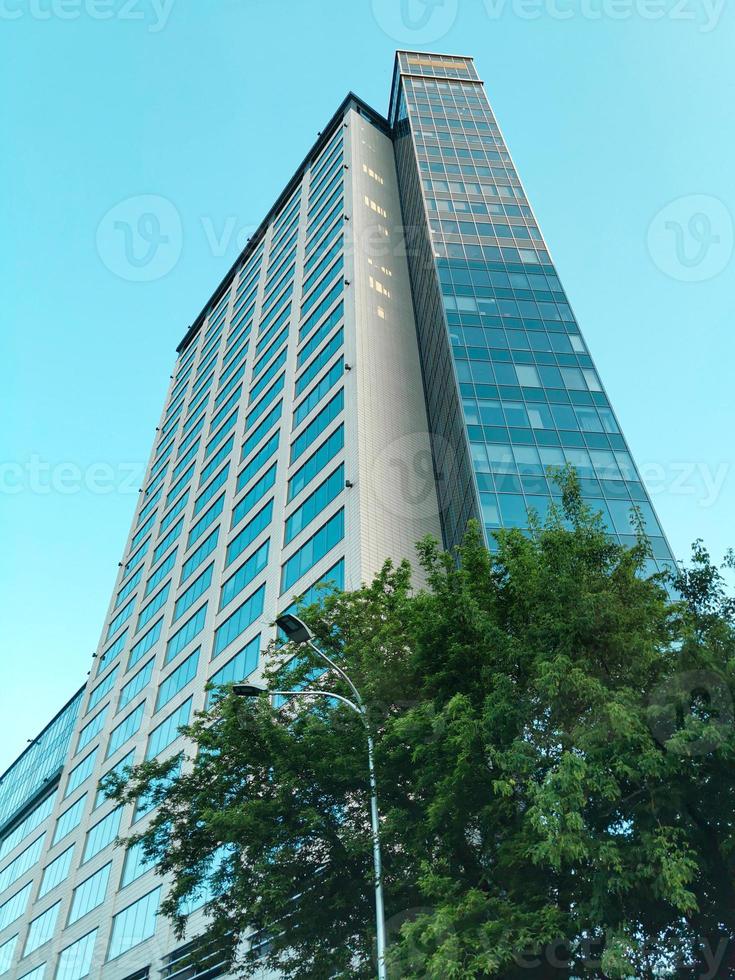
[392, 354]
[510, 386]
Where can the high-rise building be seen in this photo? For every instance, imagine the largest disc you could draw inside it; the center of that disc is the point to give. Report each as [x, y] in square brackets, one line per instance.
[510, 386]
[391, 355]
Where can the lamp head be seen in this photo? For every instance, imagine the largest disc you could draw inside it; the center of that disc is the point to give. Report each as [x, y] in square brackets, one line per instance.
[296, 631]
[248, 690]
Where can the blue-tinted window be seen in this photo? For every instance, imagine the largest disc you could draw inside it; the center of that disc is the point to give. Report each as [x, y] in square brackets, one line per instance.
[135, 685]
[272, 370]
[314, 504]
[316, 462]
[254, 494]
[179, 486]
[125, 730]
[34, 819]
[172, 514]
[41, 929]
[102, 834]
[236, 624]
[315, 428]
[205, 522]
[103, 688]
[128, 587]
[268, 353]
[134, 924]
[121, 617]
[91, 729]
[167, 732]
[273, 392]
[206, 495]
[166, 542]
[15, 906]
[135, 865]
[144, 644]
[7, 952]
[117, 770]
[333, 579]
[244, 575]
[222, 453]
[197, 589]
[221, 414]
[137, 558]
[322, 265]
[258, 434]
[217, 439]
[69, 819]
[315, 317]
[257, 461]
[90, 894]
[75, 962]
[313, 550]
[238, 667]
[80, 772]
[249, 533]
[319, 289]
[19, 865]
[177, 680]
[309, 403]
[320, 361]
[191, 628]
[230, 385]
[199, 555]
[267, 335]
[56, 872]
[149, 611]
[161, 572]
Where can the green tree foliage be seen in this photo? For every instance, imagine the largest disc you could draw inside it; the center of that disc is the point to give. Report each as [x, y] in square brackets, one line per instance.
[555, 752]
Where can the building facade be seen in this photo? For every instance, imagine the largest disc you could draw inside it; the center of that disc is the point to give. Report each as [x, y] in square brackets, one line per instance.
[391, 355]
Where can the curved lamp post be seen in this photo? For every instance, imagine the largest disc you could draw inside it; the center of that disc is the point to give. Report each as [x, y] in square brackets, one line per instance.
[298, 632]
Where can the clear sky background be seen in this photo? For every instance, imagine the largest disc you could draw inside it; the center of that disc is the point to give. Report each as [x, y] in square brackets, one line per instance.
[611, 115]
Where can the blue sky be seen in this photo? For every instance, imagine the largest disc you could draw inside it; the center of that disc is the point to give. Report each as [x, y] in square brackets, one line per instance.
[619, 115]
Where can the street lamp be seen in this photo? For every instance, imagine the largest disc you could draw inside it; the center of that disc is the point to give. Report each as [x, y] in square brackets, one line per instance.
[297, 631]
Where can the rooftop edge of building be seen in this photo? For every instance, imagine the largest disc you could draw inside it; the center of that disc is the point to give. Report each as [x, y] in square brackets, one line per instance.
[350, 100]
[398, 72]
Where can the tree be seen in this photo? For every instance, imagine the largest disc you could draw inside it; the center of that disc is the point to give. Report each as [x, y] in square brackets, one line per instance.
[555, 757]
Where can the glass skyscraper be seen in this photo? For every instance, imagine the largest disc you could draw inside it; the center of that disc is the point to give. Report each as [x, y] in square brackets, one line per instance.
[391, 355]
[510, 386]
